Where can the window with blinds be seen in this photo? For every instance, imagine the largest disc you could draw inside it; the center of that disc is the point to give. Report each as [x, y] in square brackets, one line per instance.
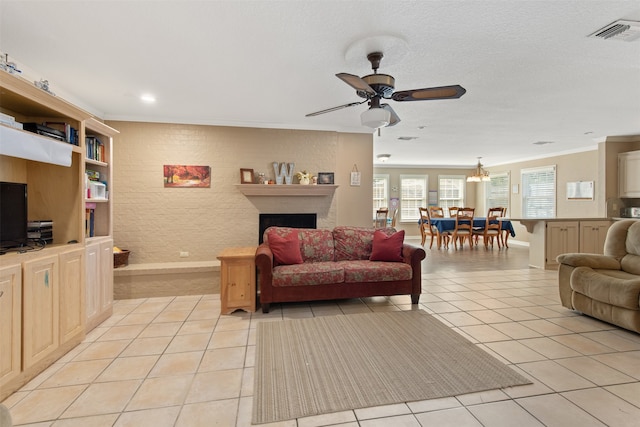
[413, 194]
[539, 192]
[498, 191]
[380, 193]
[451, 191]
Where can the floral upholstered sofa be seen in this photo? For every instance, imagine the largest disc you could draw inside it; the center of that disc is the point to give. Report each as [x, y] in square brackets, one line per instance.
[346, 262]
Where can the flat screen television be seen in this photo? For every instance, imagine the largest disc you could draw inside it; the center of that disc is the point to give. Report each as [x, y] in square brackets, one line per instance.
[13, 215]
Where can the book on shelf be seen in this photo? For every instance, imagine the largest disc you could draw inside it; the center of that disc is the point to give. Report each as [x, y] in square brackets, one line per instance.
[89, 222]
[95, 149]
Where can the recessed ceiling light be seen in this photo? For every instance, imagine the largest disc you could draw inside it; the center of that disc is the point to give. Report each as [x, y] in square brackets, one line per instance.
[147, 98]
[543, 142]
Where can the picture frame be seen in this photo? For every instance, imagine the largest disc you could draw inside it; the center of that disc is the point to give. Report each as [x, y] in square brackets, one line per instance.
[325, 178]
[246, 176]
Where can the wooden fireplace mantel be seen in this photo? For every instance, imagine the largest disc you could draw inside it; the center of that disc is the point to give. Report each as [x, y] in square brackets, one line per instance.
[286, 190]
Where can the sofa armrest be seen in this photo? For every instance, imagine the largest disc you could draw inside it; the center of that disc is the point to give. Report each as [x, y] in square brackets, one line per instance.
[594, 261]
[412, 254]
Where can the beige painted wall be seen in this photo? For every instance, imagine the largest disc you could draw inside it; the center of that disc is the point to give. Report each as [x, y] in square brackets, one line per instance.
[157, 223]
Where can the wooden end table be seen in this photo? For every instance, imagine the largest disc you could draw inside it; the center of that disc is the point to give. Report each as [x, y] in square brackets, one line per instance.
[238, 279]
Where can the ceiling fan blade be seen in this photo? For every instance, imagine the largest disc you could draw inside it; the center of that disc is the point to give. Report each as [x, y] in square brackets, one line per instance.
[340, 107]
[356, 82]
[395, 119]
[430, 93]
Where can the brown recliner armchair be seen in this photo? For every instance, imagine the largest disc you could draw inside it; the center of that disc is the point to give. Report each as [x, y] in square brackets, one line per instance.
[607, 286]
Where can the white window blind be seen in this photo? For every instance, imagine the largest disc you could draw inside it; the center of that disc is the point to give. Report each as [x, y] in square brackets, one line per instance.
[380, 193]
[413, 194]
[539, 192]
[451, 191]
[498, 191]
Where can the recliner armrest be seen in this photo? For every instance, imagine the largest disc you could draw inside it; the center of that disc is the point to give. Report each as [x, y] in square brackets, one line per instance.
[595, 261]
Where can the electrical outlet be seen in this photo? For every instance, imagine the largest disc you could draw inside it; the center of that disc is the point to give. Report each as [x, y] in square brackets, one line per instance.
[184, 254]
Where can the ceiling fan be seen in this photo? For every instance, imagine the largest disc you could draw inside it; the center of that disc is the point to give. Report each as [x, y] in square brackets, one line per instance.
[374, 87]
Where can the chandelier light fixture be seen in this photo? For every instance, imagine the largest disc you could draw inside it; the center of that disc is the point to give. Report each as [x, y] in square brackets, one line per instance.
[480, 174]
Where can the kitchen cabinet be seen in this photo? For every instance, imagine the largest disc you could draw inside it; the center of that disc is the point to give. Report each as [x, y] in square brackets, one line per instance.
[629, 174]
[550, 237]
[562, 237]
[592, 236]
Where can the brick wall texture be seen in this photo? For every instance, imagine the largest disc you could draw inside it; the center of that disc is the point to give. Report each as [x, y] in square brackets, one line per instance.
[157, 223]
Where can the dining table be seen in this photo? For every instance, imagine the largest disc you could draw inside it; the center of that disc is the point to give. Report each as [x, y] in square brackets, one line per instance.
[449, 224]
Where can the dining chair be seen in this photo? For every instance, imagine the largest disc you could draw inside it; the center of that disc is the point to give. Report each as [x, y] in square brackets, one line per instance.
[428, 229]
[491, 229]
[453, 211]
[381, 218]
[394, 217]
[436, 212]
[463, 227]
[504, 233]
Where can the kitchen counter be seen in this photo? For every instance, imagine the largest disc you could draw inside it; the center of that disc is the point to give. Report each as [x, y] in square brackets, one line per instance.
[530, 223]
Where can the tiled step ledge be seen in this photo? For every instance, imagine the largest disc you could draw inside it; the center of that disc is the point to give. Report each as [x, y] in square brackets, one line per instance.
[164, 279]
[167, 268]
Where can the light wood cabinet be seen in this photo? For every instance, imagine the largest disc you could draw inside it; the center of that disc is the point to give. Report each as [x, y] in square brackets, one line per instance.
[238, 279]
[629, 174]
[562, 237]
[10, 322]
[550, 238]
[592, 236]
[40, 305]
[99, 282]
[71, 295]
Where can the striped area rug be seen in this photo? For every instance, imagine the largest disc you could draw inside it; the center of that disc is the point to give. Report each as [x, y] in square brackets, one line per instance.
[328, 364]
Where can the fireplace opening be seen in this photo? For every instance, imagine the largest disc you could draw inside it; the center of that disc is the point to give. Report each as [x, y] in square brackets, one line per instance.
[295, 220]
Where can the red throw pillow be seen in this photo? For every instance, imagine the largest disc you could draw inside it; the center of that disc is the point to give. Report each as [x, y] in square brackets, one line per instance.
[387, 248]
[286, 250]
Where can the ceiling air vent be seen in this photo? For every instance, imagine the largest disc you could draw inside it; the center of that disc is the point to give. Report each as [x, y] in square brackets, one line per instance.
[619, 30]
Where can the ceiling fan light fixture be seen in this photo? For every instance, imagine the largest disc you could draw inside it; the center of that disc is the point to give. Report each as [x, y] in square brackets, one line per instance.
[480, 175]
[375, 118]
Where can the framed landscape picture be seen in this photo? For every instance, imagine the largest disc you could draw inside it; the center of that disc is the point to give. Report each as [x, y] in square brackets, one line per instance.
[325, 178]
[187, 176]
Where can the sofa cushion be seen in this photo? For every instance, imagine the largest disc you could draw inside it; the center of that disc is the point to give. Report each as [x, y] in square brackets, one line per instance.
[387, 247]
[317, 245]
[375, 271]
[286, 249]
[355, 243]
[613, 287]
[309, 273]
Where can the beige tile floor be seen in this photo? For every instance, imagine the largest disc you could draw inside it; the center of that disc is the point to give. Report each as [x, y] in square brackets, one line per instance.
[176, 362]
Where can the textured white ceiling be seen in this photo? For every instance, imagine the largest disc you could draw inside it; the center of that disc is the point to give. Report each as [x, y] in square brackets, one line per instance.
[530, 71]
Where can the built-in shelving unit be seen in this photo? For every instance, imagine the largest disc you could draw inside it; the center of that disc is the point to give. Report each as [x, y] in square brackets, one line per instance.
[286, 190]
[44, 293]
